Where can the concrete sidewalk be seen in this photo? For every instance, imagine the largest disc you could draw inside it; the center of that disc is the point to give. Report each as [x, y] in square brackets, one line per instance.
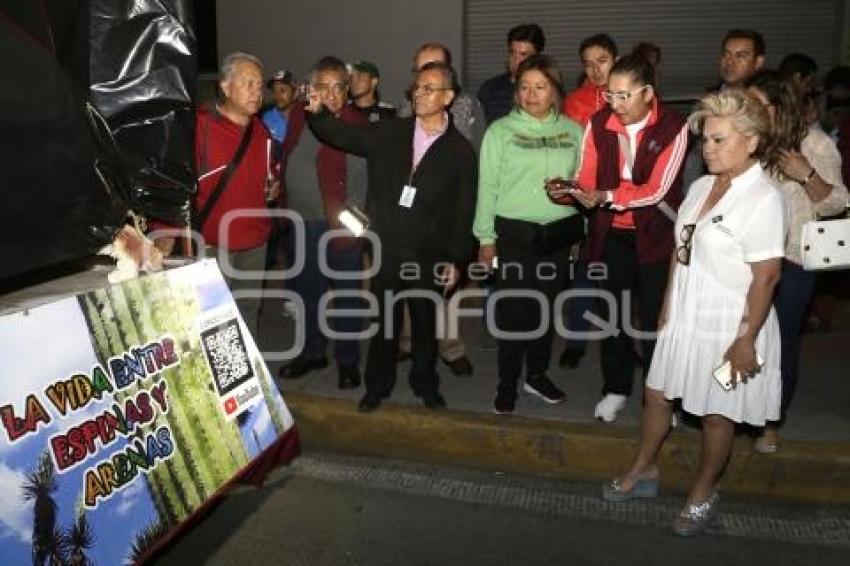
[564, 440]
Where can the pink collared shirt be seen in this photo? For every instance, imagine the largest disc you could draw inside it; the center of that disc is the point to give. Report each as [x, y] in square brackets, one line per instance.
[422, 141]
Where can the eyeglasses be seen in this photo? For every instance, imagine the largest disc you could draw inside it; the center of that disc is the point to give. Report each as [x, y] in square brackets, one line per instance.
[612, 97]
[683, 252]
[426, 90]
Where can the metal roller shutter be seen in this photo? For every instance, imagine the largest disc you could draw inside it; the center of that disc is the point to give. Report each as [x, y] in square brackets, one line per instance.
[689, 33]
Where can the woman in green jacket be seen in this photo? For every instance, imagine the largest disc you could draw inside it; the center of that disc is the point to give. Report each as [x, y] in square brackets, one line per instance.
[523, 235]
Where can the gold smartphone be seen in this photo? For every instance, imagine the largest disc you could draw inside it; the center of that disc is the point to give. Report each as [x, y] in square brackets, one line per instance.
[723, 374]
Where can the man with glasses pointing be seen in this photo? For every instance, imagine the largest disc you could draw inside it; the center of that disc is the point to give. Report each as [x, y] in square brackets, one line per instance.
[422, 191]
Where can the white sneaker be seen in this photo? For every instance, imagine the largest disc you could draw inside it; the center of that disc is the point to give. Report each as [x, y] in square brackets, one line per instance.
[609, 406]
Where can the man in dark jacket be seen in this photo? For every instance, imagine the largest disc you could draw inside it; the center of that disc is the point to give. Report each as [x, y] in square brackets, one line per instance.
[497, 93]
[363, 92]
[468, 118]
[422, 190]
[742, 54]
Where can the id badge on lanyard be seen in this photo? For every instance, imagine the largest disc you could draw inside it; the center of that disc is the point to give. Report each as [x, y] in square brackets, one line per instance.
[408, 192]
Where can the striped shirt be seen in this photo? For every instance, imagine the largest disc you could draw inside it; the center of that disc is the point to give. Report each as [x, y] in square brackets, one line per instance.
[627, 195]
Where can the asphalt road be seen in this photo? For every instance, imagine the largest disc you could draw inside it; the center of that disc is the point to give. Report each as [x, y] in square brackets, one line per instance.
[329, 509]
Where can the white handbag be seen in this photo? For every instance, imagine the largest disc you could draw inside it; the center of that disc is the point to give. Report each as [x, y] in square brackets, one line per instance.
[825, 244]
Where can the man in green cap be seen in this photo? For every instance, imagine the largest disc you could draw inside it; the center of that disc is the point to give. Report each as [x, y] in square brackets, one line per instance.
[363, 92]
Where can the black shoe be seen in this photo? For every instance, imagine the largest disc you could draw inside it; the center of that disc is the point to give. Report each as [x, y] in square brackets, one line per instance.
[301, 366]
[505, 403]
[571, 357]
[543, 387]
[369, 403]
[433, 400]
[460, 366]
[349, 377]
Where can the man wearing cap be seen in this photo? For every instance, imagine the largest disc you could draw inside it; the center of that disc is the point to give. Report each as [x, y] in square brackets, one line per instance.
[363, 91]
[276, 116]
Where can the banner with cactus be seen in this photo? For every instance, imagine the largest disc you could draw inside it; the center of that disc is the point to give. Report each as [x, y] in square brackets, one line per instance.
[122, 410]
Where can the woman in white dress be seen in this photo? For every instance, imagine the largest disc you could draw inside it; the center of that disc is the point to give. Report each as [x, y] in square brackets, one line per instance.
[730, 238]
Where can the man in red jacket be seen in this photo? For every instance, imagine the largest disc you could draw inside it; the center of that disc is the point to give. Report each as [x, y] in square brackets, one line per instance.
[598, 54]
[236, 229]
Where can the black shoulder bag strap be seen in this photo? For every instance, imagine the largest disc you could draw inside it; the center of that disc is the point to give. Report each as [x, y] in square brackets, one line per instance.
[225, 177]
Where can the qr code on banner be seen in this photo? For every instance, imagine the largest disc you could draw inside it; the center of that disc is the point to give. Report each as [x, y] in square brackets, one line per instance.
[227, 355]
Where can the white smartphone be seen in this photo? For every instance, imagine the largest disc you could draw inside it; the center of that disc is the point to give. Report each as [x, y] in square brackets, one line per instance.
[723, 374]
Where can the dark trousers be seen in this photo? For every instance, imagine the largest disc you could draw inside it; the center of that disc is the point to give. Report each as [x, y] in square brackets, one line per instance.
[647, 284]
[524, 267]
[791, 301]
[576, 307]
[396, 275]
[311, 284]
[240, 262]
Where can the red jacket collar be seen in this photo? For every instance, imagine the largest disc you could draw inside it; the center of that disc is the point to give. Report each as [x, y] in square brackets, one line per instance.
[591, 89]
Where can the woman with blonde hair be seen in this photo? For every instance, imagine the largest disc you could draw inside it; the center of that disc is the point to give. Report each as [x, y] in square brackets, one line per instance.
[717, 313]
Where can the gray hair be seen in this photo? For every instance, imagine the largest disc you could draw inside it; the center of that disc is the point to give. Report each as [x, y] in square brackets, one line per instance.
[228, 65]
[328, 63]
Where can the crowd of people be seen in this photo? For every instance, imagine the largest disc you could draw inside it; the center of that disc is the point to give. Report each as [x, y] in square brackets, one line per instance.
[698, 218]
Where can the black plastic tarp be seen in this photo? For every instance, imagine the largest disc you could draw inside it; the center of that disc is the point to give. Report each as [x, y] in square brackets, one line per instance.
[53, 205]
[96, 118]
[142, 79]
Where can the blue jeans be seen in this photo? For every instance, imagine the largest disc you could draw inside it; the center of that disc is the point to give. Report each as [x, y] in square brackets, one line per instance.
[793, 294]
[311, 284]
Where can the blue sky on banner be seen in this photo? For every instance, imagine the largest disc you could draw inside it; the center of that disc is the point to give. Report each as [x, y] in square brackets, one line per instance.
[52, 343]
[38, 348]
